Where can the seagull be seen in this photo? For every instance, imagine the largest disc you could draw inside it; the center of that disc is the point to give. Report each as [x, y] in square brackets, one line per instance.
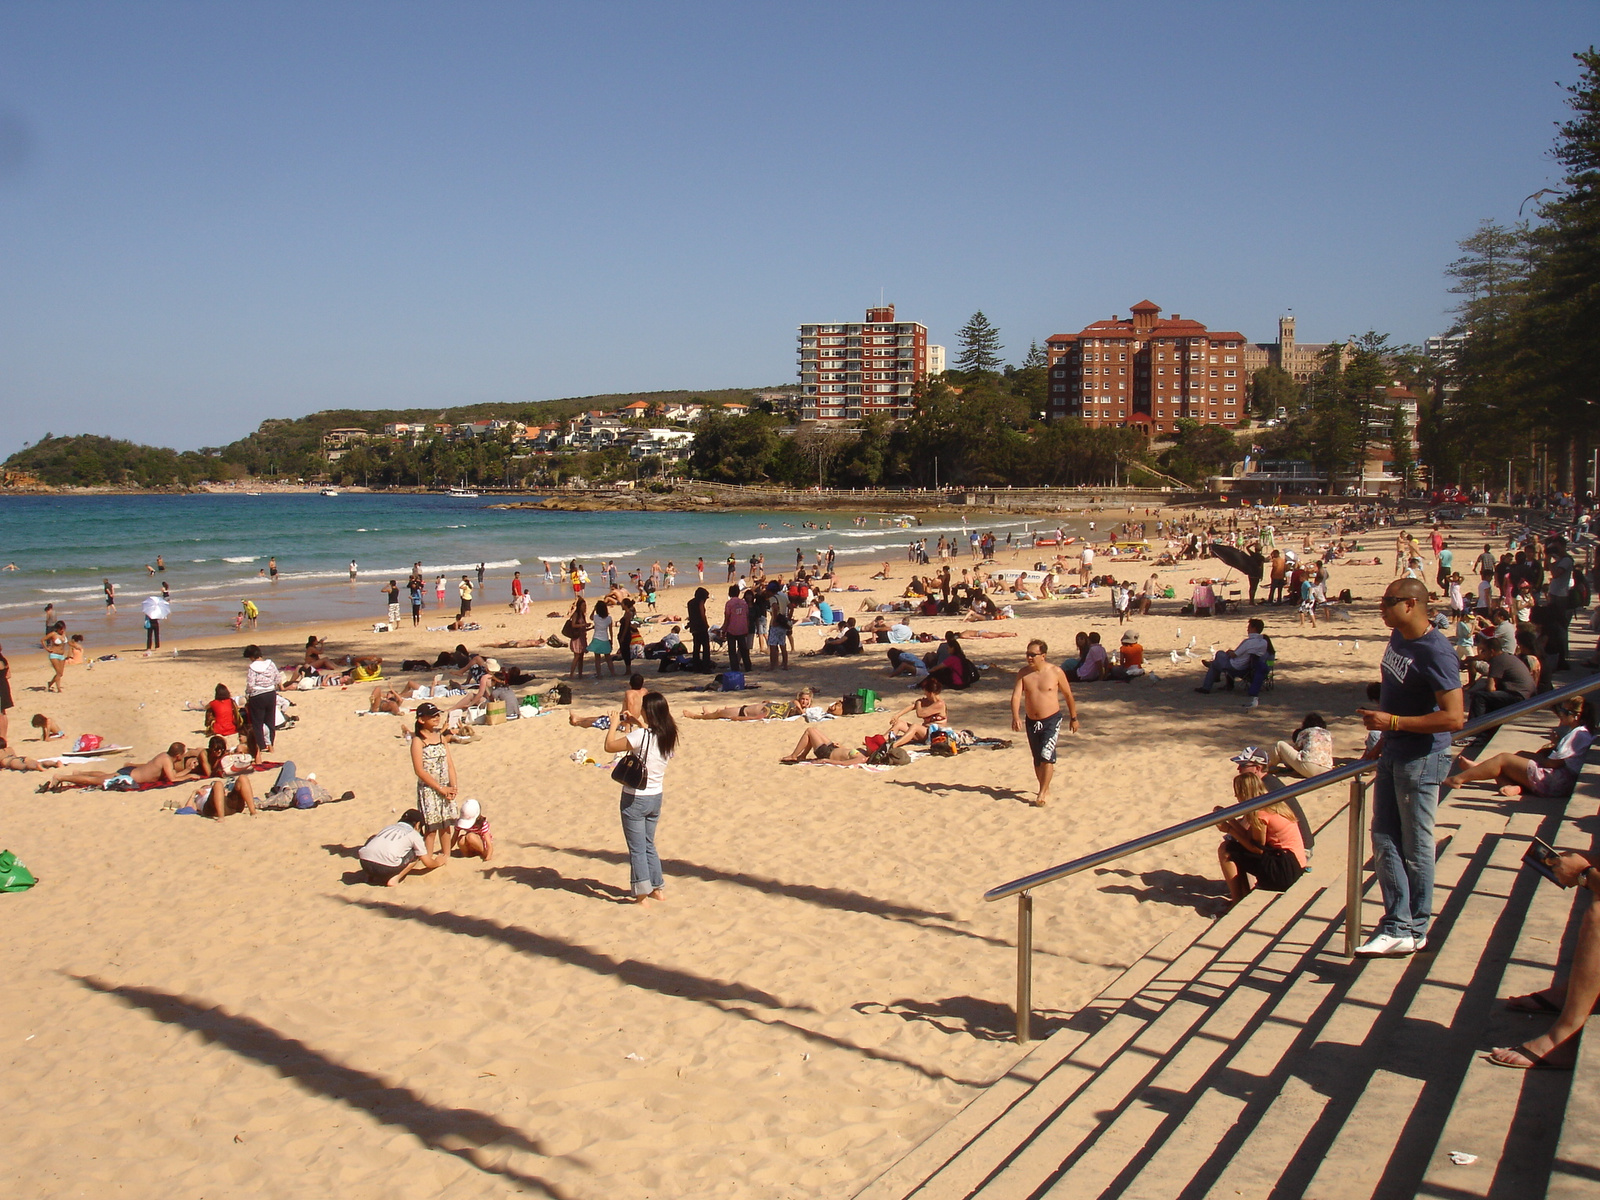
[1176, 658]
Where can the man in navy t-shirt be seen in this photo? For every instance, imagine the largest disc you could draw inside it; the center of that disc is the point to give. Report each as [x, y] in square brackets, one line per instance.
[1419, 707]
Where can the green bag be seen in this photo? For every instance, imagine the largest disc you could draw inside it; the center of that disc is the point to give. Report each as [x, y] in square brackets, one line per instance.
[14, 877]
[869, 699]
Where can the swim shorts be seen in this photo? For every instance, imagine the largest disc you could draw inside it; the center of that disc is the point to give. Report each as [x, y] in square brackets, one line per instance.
[1042, 737]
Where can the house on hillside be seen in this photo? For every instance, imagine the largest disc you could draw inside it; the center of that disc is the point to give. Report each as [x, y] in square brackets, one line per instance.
[670, 444]
[335, 442]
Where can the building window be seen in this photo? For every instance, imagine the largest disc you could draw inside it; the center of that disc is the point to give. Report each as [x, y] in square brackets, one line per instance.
[1230, 387]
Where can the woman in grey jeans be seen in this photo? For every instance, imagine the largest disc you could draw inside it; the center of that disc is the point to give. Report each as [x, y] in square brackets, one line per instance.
[655, 743]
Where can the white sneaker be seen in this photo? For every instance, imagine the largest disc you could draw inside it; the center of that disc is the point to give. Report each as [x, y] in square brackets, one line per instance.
[1386, 945]
[1417, 944]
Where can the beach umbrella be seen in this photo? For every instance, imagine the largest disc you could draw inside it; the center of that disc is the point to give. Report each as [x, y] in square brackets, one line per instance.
[1240, 560]
[156, 608]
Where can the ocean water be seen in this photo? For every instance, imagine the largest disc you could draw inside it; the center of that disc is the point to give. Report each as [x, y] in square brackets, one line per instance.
[217, 547]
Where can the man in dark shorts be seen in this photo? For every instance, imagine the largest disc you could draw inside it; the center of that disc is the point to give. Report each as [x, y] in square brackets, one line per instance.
[1419, 707]
[1040, 686]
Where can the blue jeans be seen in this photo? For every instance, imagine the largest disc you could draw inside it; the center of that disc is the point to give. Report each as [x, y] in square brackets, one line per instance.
[1222, 666]
[1405, 796]
[640, 815]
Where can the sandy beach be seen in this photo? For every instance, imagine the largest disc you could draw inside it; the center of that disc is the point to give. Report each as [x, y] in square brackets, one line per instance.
[225, 1009]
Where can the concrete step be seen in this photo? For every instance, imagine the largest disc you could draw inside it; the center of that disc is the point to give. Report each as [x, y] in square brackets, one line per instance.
[1257, 1061]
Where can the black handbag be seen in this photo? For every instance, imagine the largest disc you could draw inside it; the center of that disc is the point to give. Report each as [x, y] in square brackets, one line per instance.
[630, 771]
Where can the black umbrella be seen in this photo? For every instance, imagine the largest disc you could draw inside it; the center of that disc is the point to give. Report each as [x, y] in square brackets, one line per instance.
[1248, 562]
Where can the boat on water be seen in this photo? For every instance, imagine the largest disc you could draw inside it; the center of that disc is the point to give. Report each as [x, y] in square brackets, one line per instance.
[330, 491]
[462, 493]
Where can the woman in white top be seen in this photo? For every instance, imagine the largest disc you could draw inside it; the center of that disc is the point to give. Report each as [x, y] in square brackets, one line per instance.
[1552, 771]
[655, 743]
[600, 638]
[260, 700]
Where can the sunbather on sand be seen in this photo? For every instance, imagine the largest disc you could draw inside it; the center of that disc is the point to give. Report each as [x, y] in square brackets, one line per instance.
[632, 709]
[771, 710]
[21, 762]
[163, 768]
[814, 741]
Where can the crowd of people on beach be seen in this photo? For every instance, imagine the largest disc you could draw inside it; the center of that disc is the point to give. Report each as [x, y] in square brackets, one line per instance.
[1472, 632]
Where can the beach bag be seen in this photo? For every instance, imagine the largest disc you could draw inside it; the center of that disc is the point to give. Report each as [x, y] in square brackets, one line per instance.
[14, 877]
[869, 699]
[89, 741]
[568, 629]
[731, 681]
[852, 705]
[941, 743]
[555, 642]
[629, 770]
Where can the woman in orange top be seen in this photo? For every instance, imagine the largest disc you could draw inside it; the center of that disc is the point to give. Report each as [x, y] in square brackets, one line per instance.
[1264, 845]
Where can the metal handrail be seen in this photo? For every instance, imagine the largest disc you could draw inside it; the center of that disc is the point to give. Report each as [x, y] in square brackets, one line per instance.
[1022, 887]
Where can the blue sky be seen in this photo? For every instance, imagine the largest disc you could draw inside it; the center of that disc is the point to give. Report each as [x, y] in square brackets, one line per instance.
[211, 214]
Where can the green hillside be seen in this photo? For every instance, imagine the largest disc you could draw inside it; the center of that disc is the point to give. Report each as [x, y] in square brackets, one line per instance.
[292, 448]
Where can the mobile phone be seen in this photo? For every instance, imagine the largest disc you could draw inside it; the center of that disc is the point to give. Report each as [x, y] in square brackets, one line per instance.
[1541, 856]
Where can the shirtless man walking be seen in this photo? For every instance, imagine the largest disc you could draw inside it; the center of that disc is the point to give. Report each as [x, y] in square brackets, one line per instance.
[1038, 685]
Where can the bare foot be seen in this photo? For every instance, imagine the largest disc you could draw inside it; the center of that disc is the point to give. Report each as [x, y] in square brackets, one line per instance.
[1040, 802]
[658, 894]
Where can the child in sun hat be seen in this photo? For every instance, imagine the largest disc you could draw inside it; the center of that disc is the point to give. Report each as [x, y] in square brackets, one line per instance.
[474, 838]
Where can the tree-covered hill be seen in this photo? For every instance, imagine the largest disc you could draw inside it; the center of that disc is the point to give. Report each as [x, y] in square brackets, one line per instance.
[91, 461]
[287, 448]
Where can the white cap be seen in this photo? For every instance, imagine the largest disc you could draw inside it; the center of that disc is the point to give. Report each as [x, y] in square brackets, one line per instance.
[469, 814]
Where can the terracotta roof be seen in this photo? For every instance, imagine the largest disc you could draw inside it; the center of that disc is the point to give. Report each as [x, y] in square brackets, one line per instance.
[1145, 306]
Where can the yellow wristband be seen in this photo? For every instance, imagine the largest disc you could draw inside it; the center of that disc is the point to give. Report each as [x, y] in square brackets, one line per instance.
[1394, 723]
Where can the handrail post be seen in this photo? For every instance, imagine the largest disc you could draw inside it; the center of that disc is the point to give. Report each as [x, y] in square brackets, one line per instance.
[1355, 859]
[1024, 967]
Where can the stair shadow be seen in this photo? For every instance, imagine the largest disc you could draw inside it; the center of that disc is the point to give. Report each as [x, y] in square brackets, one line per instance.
[316, 1073]
[681, 985]
[1195, 892]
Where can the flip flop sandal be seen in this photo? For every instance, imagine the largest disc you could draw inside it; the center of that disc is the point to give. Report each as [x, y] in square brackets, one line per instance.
[1533, 1002]
[1536, 1062]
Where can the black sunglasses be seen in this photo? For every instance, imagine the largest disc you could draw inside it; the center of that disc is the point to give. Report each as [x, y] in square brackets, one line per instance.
[1388, 600]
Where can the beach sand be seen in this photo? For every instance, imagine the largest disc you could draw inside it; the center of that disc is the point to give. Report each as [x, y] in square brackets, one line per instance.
[204, 1009]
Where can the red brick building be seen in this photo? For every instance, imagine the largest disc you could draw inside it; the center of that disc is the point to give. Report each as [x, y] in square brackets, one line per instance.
[1146, 372]
[856, 370]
